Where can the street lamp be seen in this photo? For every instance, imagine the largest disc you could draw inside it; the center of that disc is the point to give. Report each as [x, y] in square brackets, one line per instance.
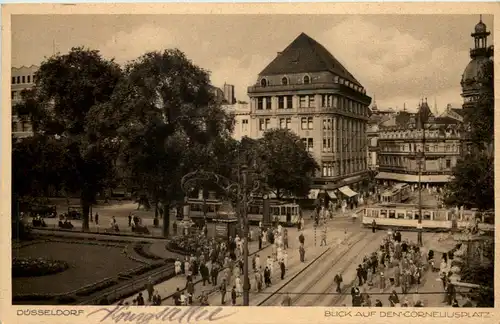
[239, 192]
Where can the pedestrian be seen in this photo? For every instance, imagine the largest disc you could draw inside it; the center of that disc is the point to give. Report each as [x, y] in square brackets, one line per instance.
[233, 296]
[177, 297]
[374, 226]
[287, 301]
[214, 273]
[222, 289]
[338, 281]
[359, 274]
[96, 218]
[285, 239]
[282, 267]
[267, 277]
[323, 236]
[150, 289]
[156, 299]
[177, 266]
[260, 240]
[285, 259]
[302, 253]
[140, 300]
[129, 219]
[301, 238]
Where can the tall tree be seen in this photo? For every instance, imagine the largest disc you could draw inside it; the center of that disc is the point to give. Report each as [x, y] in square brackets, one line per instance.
[166, 118]
[67, 89]
[473, 183]
[287, 166]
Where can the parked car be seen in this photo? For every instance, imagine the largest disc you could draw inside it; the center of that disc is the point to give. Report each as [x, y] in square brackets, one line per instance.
[75, 212]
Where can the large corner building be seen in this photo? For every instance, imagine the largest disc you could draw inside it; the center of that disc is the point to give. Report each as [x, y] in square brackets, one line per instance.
[307, 90]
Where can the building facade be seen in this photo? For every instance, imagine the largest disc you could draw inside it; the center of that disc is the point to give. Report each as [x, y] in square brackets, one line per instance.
[377, 119]
[400, 148]
[22, 78]
[241, 112]
[229, 96]
[306, 90]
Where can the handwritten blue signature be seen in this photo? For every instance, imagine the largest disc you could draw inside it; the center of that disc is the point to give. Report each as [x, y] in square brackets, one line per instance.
[166, 314]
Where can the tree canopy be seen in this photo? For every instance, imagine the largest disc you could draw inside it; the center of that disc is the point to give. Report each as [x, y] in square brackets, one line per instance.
[68, 91]
[167, 122]
[286, 164]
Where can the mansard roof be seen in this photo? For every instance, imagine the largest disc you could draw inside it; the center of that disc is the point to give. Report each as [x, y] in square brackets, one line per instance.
[305, 55]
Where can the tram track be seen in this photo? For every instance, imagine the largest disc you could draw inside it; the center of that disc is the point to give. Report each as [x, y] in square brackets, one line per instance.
[357, 250]
[272, 299]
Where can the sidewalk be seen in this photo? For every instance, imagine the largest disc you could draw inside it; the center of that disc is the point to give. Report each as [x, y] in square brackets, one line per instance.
[167, 288]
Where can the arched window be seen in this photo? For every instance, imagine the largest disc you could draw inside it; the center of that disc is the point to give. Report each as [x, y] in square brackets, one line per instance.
[263, 82]
[284, 81]
[307, 80]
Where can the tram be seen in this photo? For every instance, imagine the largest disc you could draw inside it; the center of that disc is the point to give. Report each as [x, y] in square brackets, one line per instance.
[405, 217]
[285, 213]
[397, 194]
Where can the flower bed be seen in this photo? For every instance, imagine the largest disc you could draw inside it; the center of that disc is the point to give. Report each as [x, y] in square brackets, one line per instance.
[139, 248]
[30, 267]
[187, 244]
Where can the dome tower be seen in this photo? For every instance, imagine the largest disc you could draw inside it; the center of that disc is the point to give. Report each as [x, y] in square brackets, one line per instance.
[475, 77]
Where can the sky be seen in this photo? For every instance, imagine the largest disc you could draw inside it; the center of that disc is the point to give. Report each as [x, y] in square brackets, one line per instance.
[399, 59]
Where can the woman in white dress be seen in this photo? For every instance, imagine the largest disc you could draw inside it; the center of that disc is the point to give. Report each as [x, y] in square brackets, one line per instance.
[187, 267]
[177, 265]
[270, 264]
[239, 289]
[264, 237]
[279, 253]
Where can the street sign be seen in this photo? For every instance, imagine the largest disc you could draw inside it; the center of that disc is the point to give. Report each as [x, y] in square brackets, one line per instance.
[221, 230]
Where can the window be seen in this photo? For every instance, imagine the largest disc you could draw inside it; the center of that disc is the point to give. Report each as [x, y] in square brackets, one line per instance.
[302, 101]
[327, 145]
[260, 103]
[284, 81]
[18, 79]
[12, 94]
[448, 164]
[309, 123]
[264, 124]
[24, 79]
[29, 78]
[34, 79]
[327, 124]
[289, 102]
[335, 101]
[263, 83]
[282, 123]
[281, 102]
[306, 123]
[336, 79]
[288, 122]
[13, 80]
[327, 169]
[307, 80]
[244, 125]
[268, 103]
[308, 144]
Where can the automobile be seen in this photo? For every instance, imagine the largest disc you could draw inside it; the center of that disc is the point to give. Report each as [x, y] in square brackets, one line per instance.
[48, 211]
[75, 212]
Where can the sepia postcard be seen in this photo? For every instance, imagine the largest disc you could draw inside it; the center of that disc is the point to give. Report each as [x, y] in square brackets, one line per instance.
[184, 162]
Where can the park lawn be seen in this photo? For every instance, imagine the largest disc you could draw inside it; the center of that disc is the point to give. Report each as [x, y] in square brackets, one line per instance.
[88, 264]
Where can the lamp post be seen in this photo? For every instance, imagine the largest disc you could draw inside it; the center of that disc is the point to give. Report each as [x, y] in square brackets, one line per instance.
[420, 161]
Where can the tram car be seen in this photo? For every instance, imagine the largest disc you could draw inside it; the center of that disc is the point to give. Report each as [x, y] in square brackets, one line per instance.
[197, 208]
[405, 217]
[397, 194]
[286, 213]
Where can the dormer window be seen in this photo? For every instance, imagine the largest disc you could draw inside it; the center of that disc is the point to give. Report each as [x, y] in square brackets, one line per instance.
[336, 79]
[263, 83]
[306, 79]
[284, 81]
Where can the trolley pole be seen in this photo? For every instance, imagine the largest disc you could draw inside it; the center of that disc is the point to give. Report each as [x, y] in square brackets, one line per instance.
[246, 280]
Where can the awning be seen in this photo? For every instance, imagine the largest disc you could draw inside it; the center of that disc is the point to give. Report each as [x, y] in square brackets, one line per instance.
[413, 178]
[313, 194]
[331, 194]
[347, 191]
